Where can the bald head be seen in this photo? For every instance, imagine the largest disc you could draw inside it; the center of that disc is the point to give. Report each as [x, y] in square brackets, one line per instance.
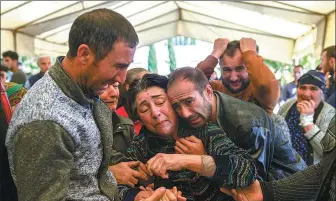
[44, 62]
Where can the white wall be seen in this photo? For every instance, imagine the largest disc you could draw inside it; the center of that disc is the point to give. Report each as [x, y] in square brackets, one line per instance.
[330, 34]
[7, 41]
[25, 45]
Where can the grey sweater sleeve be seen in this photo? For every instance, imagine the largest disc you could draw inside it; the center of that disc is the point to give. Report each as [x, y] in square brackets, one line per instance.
[301, 186]
[42, 161]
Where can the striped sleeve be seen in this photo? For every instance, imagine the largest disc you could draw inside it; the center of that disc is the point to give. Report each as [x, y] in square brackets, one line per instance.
[234, 166]
[301, 186]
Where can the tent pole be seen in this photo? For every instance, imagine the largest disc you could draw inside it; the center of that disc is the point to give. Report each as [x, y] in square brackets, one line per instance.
[325, 32]
[14, 41]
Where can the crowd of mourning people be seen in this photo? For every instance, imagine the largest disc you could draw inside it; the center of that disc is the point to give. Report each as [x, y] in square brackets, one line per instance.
[86, 128]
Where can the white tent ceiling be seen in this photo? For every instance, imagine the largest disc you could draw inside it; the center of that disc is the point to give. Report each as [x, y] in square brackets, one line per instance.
[283, 29]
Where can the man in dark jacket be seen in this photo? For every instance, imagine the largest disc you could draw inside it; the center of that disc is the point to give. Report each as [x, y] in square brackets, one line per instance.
[246, 124]
[11, 59]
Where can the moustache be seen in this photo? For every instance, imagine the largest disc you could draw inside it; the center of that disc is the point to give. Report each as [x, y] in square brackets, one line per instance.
[192, 117]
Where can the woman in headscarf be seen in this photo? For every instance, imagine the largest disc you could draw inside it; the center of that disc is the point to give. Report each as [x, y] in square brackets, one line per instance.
[308, 116]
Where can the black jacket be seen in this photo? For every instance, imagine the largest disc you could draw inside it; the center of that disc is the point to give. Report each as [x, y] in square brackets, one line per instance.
[251, 128]
[123, 133]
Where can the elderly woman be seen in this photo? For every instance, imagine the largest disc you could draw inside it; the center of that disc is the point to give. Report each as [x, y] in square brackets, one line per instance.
[308, 116]
[124, 110]
[199, 177]
[127, 173]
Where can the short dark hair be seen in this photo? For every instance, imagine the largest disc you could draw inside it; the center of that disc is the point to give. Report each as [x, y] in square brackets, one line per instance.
[3, 67]
[331, 51]
[139, 85]
[192, 75]
[318, 67]
[231, 49]
[100, 29]
[298, 66]
[11, 54]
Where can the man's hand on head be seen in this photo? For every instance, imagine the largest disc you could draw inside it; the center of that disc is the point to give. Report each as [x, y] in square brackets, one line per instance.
[247, 44]
[220, 46]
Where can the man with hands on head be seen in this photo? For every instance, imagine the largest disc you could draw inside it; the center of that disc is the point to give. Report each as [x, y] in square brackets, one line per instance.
[308, 116]
[244, 74]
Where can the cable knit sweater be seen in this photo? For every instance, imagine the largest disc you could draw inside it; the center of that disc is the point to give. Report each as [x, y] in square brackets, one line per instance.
[59, 143]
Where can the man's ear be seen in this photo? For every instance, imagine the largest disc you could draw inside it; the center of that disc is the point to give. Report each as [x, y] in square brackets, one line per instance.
[84, 54]
[208, 92]
[332, 63]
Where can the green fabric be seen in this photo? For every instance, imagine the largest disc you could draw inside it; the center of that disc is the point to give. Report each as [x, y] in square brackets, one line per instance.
[12, 90]
[172, 59]
[152, 62]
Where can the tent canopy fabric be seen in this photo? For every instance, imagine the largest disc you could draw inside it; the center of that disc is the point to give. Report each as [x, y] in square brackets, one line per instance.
[283, 29]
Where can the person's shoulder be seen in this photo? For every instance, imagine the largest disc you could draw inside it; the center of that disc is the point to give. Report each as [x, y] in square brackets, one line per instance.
[217, 85]
[212, 127]
[328, 142]
[328, 107]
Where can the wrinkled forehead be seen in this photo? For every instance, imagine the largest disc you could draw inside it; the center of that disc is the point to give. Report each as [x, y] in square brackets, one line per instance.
[150, 94]
[232, 60]
[308, 86]
[180, 90]
[44, 59]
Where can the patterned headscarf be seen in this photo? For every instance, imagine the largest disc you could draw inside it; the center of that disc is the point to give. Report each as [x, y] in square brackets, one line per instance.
[313, 77]
[15, 92]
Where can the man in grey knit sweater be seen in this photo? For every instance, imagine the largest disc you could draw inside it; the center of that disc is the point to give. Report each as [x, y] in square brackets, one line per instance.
[60, 137]
[316, 183]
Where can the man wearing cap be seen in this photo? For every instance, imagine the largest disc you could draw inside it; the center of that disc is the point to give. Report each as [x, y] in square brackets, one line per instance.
[308, 116]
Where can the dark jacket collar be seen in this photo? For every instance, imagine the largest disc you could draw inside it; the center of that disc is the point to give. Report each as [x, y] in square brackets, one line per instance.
[67, 85]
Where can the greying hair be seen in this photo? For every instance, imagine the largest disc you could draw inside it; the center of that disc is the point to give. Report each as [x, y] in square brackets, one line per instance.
[137, 86]
[133, 73]
[192, 75]
[100, 29]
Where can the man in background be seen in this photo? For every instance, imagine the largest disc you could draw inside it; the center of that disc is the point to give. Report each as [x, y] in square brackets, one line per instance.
[11, 60]
[290, 88]
[44, 63]
[243, 73]
[328, 66]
